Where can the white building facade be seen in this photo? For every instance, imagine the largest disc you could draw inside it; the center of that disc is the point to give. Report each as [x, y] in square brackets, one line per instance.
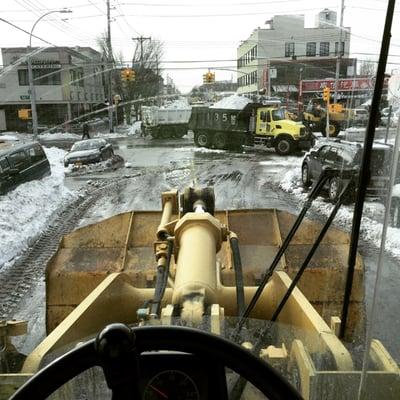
[68, 82]
[286, 38]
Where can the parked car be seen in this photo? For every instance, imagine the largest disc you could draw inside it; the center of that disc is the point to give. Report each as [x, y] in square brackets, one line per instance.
[344, 158]
[22, 163]
[88, 152]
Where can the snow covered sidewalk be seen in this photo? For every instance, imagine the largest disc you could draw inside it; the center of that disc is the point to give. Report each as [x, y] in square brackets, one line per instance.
[25, 211]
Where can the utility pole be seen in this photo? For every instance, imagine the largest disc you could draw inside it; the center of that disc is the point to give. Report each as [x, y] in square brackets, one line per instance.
[339, 54]
[141, 39]
[109, 68]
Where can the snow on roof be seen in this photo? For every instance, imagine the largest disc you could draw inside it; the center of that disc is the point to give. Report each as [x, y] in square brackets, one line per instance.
[178, 104]
[234, 102]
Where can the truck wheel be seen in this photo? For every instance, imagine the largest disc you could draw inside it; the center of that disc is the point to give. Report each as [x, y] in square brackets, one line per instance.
[305, 175]
[284, 145]
[220, 140]
[165, 134]
[335, 188]
[334, 129]
[202, 139]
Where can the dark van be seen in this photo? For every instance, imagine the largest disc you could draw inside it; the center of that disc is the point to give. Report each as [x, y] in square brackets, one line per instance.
[22, 163]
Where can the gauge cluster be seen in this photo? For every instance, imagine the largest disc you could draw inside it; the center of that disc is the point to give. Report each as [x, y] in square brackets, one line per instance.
[174, 375]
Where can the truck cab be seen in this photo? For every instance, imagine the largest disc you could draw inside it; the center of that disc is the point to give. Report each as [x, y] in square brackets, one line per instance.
[274, 129]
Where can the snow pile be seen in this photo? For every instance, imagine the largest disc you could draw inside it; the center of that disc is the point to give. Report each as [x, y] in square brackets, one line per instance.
[291, 182]
[25, 211]
[111, 164]
[9, 137]
[234, 102]
[59, 136]
[180, 103]
[135, 128]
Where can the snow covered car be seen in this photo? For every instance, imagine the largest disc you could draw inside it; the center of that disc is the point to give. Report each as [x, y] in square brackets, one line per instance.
[88, 152]
[345, 157]
[22, 163]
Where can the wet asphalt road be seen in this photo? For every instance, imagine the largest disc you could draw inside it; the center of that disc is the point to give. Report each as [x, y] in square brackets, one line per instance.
[241, 180]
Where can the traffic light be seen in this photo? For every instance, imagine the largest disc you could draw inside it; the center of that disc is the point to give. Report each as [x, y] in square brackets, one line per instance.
[128, 74]
[209, 77]
[326, 94]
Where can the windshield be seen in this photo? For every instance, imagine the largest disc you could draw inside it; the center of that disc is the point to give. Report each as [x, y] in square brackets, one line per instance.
[278, 115]
[188, 212]
[87, 145]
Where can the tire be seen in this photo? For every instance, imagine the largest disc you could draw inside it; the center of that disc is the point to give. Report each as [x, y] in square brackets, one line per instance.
[220, 140]
[335, 188]
[165, 134]
[395, 212]
[305, 175]
[202, 139]
[284, 145]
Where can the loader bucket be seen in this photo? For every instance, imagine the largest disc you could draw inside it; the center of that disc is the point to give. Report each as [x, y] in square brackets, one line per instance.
[125, 243]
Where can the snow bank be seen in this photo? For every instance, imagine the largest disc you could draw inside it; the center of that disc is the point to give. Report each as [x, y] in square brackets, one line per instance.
[9, 138]
[135, 128]
[59, 136]
[234, 102]
[25, 211]
[371, 229]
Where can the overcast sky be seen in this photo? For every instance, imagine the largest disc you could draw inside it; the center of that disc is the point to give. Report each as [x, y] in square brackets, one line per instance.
[198, 33]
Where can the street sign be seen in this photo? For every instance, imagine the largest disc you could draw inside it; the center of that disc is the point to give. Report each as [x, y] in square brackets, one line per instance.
[25, 97]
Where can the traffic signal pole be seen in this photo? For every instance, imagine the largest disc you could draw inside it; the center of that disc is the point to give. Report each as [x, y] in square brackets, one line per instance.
[109, 72]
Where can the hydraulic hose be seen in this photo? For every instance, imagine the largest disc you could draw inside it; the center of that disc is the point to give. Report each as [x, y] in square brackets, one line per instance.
[161, 282]
[237, 264]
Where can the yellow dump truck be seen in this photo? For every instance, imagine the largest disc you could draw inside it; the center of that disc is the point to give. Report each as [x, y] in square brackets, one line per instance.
[176, 285]
[254, 124]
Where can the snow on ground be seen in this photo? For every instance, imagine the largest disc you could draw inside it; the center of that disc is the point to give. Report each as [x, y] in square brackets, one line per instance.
[234, 102]
[371, 229]
[9, 137]
[199, 150]
[112, 163]
[25, 211]
[135, 128]
[59, 136]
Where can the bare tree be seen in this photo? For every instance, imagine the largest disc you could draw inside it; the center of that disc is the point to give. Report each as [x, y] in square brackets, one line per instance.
[368, 67]
[148, 82]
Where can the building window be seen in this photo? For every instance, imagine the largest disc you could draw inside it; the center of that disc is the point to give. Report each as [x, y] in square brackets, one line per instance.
[23, 79]
[289, 49]
[324, 49]
[337, 49]
[311, 50]
[45, 76]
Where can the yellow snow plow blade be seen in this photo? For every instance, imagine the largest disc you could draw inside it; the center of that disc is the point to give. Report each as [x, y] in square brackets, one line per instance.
[125, 243]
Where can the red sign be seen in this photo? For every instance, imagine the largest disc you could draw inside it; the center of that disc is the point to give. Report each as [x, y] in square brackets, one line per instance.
[344, 85]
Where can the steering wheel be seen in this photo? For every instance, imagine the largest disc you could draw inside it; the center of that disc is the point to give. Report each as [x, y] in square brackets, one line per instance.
[117, 347]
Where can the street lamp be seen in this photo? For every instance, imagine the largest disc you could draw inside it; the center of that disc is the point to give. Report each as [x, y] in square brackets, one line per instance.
[30, 74]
